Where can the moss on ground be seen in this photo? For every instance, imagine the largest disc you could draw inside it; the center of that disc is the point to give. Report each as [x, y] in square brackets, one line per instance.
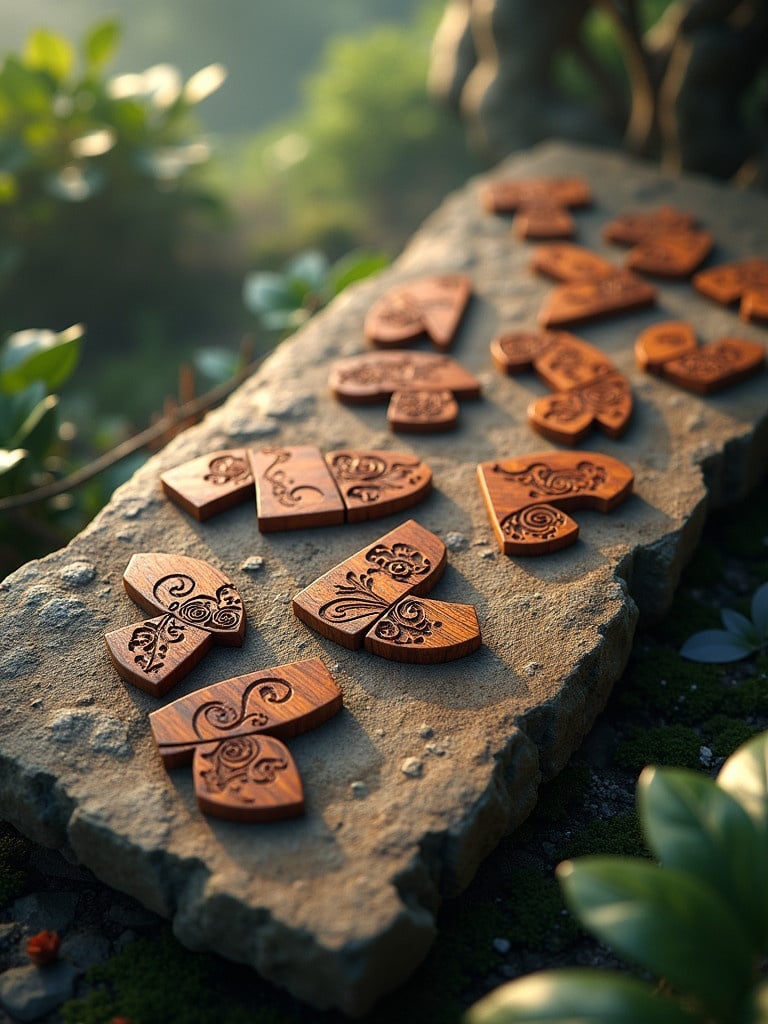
[619, 836]
[14, 854]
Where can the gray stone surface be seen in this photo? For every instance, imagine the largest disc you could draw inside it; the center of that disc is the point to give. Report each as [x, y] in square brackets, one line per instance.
[28, 993]
[339, 906]
[45, 911]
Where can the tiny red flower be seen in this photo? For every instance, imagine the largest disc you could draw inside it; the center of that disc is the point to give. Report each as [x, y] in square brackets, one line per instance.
[43, 948]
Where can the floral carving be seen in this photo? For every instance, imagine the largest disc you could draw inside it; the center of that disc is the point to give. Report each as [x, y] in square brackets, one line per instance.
[544, 481]
[284, 489]
[370, 475]
[222, 611]
[401, 561]
[355, 599]
[406, 623]
[236, 763]
[152, 639]
[227, 469]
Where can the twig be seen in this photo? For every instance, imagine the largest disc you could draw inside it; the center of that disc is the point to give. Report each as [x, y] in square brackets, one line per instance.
[144, 439]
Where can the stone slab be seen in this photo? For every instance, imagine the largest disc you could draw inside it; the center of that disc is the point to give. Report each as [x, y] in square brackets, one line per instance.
[339, 906]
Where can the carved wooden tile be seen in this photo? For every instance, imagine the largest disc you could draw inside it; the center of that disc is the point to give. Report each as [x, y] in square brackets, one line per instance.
[568, 362]
[730, 281]
[375, 376]
[424, 632]
[631, 228]
[347, 600]
[294, 489]
[567, 416]
[430, 305]
[210, 484]
[570, 263]
[589, 300]
[516, 351]
[716, 366]
[544, 220]
[232, 733]
[155, 654]
[527, 497]
[377, 483]
[505, 195]
[662, 342]
[192, 590]
[422, 412]
[672, 255]
[754, 306]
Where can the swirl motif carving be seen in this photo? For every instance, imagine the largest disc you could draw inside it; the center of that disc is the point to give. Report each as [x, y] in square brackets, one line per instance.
[522, 346]
[227, 469]
[222, 611]
[396, 374]
[423, 404]
[400, 310]
[214, 718]
[565, 407]
[152, 640]
[236, 763]
[285, 490]
[371, 475]
[572, 363]
[406, 623]
[540, 522]
[401, 561]
[355, 599]
[706, 363]
[544, 481]
[606, 391]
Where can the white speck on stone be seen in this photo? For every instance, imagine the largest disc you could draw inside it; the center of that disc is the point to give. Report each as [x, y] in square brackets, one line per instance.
[36, 703]
[359, 790]
[60, 612]
[380, 733]
[254, 563]
[487, 553]
[78, 574]
[426, 731]
[705, 756]
[531, 668]
[502, 946]
[455, 541]
[412, 767]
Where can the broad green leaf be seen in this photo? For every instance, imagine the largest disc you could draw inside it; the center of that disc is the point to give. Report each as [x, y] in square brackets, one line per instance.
[739, 625]
[310, 267]
[10, 458]
[100, 44]
[39, 355]
[29, 91]
[760, 612]
[47, 51]
[577, 997]
[204, 82]
[356, 266]
[38, 431]
[715, 646]
[218, 364]
[15, 408]
[264, 292]
[693, 824]
[745, 776]
[665, 920]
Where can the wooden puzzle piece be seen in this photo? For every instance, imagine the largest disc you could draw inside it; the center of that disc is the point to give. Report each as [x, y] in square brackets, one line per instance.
[576, 303]
[430, 305]
[378, 483]
[155, 654]
[527, 497]
[294, 489]
[570, 263]
[731, 281]
[422, 412]
[544, 220]
[210, 484]
[506, 195]
[232, 733]
[754, 306]
[344, 602]
[376, 376]
[424, 632]
[567, 416]
[562, 360]
[670, 350]
[672, 255]
[632, 228]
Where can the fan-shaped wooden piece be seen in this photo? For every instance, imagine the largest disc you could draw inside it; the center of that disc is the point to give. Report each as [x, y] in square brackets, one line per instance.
[429, 305]
[375, 483]
[420, 631]
[577, 303]
[375, 376]
[422, 412]
[570, 263]
[664, 341]
[674, 254]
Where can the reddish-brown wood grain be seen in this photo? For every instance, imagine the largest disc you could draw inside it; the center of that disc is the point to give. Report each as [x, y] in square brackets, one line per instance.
[429, 305]
[570, 263]
[294, 489]
[210, 484]
[580, 302]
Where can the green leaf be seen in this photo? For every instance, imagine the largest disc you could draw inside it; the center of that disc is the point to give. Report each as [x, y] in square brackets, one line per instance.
[715, 645]
[693, 824]
[739, 625]
[665, 920]
[577, 997]
[100, 44]
[311, 268]
[745, 776]
[47, 51]
[760, 612]
[218, 364]
[10, 458]
[356, 266]
[39, 355]
[15, 408]
[38, 431]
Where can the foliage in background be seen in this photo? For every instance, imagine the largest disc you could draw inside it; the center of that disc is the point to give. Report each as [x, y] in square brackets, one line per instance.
[100, 188]
[698, 921]
[740, 637]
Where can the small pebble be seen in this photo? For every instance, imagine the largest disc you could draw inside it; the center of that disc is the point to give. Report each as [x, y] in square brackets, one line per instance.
[502, 946]
[359, 790]
[455, 541]
[380, 732]
[532, 668]
[412, 767]
[705, 756]
[252, 564]
[426, 731]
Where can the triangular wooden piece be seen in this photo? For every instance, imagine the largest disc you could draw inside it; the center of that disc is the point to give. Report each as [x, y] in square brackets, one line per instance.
[344, 602]
[716, 366]
[375, 376]
[589, 300]
[283, 701]
[570, 263]
[210, 484]
[430, 305]
[664, 341]
[422, 412]
[544, 220]
[424, 632]
[728, 282]
[631, 228]
[505, 195]
[375, 483]
[754, 306]
[192, 590]
[247, 779]
[154, 655]
[673, 255]
[294, 489]
[526, 497]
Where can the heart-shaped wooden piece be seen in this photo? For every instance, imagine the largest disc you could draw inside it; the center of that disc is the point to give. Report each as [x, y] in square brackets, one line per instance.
[716, 366]
[210, 484]
[430, 305]
[577, 303]
[375, 376]
[664, 341]
[570, 263]
[527, 497]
